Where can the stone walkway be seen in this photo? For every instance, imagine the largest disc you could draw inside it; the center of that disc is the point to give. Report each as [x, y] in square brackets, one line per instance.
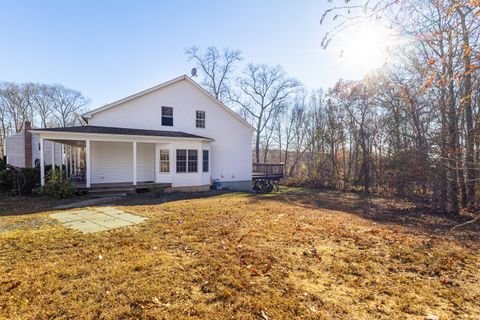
[98, 219]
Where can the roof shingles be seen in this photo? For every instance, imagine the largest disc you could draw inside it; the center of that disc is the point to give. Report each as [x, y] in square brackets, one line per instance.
[123, 131]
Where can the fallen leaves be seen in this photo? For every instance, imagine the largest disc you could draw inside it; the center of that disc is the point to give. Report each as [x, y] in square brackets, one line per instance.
[11, 284]
[264, 315]
[281, 256]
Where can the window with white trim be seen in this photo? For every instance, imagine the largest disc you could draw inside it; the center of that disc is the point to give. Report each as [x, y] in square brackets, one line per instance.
[200, 119]
[167, 116]
[187, 160]
[205, 161]
[181, 160]
[192, 160]
[164, 161]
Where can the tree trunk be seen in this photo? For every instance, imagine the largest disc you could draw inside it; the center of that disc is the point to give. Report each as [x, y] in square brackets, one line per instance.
[257, 147]
[466, 101]
[452, 132]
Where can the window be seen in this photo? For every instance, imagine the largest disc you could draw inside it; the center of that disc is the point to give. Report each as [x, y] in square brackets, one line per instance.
[192, 160]
[187, 160]
[164, 161]
[181, 160]
[167, 116]
[205, 161]
[200, 120]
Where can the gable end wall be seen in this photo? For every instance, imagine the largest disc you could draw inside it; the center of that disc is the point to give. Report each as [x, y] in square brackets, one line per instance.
[231, 152]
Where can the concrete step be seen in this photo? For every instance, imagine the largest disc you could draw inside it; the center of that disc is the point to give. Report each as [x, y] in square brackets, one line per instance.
[108, 195]
[110, 191]
[113, 189]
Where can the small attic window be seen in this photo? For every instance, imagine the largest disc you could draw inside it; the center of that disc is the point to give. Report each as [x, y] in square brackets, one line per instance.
[167, 116]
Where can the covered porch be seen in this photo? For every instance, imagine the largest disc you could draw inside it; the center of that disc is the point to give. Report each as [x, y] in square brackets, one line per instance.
[106, 158]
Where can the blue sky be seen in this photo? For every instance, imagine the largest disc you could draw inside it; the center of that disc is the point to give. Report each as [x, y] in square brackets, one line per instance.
[110, 49]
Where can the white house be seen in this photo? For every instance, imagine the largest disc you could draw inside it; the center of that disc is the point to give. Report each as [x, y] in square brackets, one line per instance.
[22, 149]
[174, 133]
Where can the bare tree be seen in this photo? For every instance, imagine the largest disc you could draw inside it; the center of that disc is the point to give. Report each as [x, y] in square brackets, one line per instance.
[291, 132]
[4, 125]
[216, 67]
[436, 122]
[356, 99]
[467, 18]
[15, 103]
[42, 101]
[47, 104]
[67, 103]
[263, 90]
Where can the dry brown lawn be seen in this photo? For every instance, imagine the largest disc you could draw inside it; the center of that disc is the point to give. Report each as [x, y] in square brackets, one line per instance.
[298, 254]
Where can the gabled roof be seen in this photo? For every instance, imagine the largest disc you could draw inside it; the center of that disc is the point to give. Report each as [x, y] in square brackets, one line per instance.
[89, 114]
[121, 131]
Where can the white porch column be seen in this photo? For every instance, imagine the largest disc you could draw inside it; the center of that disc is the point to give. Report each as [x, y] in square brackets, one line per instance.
[173, 161]
[134, 163]
[157, 162]
[62, 159]
[71, 160]
[53, 155]
[78, 160]
[87, 162]
[67, 173]
[74, 161]
[42, 163]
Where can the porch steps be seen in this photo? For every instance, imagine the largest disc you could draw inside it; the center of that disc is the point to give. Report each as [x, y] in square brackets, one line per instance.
[107, 192]
[121, 189]
[108, 195]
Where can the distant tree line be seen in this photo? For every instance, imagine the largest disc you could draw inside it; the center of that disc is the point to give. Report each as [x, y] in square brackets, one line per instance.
[411, 128]
[42, 104]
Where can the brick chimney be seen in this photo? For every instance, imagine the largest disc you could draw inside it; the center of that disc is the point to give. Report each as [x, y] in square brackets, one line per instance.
[28, 144]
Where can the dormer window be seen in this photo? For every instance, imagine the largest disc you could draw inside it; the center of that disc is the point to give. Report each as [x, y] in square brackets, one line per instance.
[167, 116]
[200, 120]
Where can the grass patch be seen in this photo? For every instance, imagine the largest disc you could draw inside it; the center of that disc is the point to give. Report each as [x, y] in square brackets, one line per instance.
[288, 255]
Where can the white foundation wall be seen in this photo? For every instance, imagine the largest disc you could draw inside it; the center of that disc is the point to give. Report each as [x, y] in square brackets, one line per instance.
[111, 162]
[230, 153]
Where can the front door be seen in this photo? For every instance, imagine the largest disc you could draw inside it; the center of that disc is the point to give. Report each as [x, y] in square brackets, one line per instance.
[164, 163]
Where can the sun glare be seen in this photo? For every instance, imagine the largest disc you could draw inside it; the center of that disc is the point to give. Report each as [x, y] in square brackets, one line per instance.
[366, 48]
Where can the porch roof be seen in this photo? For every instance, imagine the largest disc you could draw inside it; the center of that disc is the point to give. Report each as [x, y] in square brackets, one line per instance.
[122, 131]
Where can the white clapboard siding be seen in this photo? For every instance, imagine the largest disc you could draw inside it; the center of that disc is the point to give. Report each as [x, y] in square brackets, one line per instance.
[230, 153]
[186, 179]
[15, 150]
[145, 162]
[48, 151]
[111, 162]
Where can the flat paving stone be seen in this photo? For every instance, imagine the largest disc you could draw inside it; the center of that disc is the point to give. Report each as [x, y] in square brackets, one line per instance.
[85, 226]
[97, 219]
[110, 210]
[67, 217]
[82, 213]
[131, 218]
[112, 224]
